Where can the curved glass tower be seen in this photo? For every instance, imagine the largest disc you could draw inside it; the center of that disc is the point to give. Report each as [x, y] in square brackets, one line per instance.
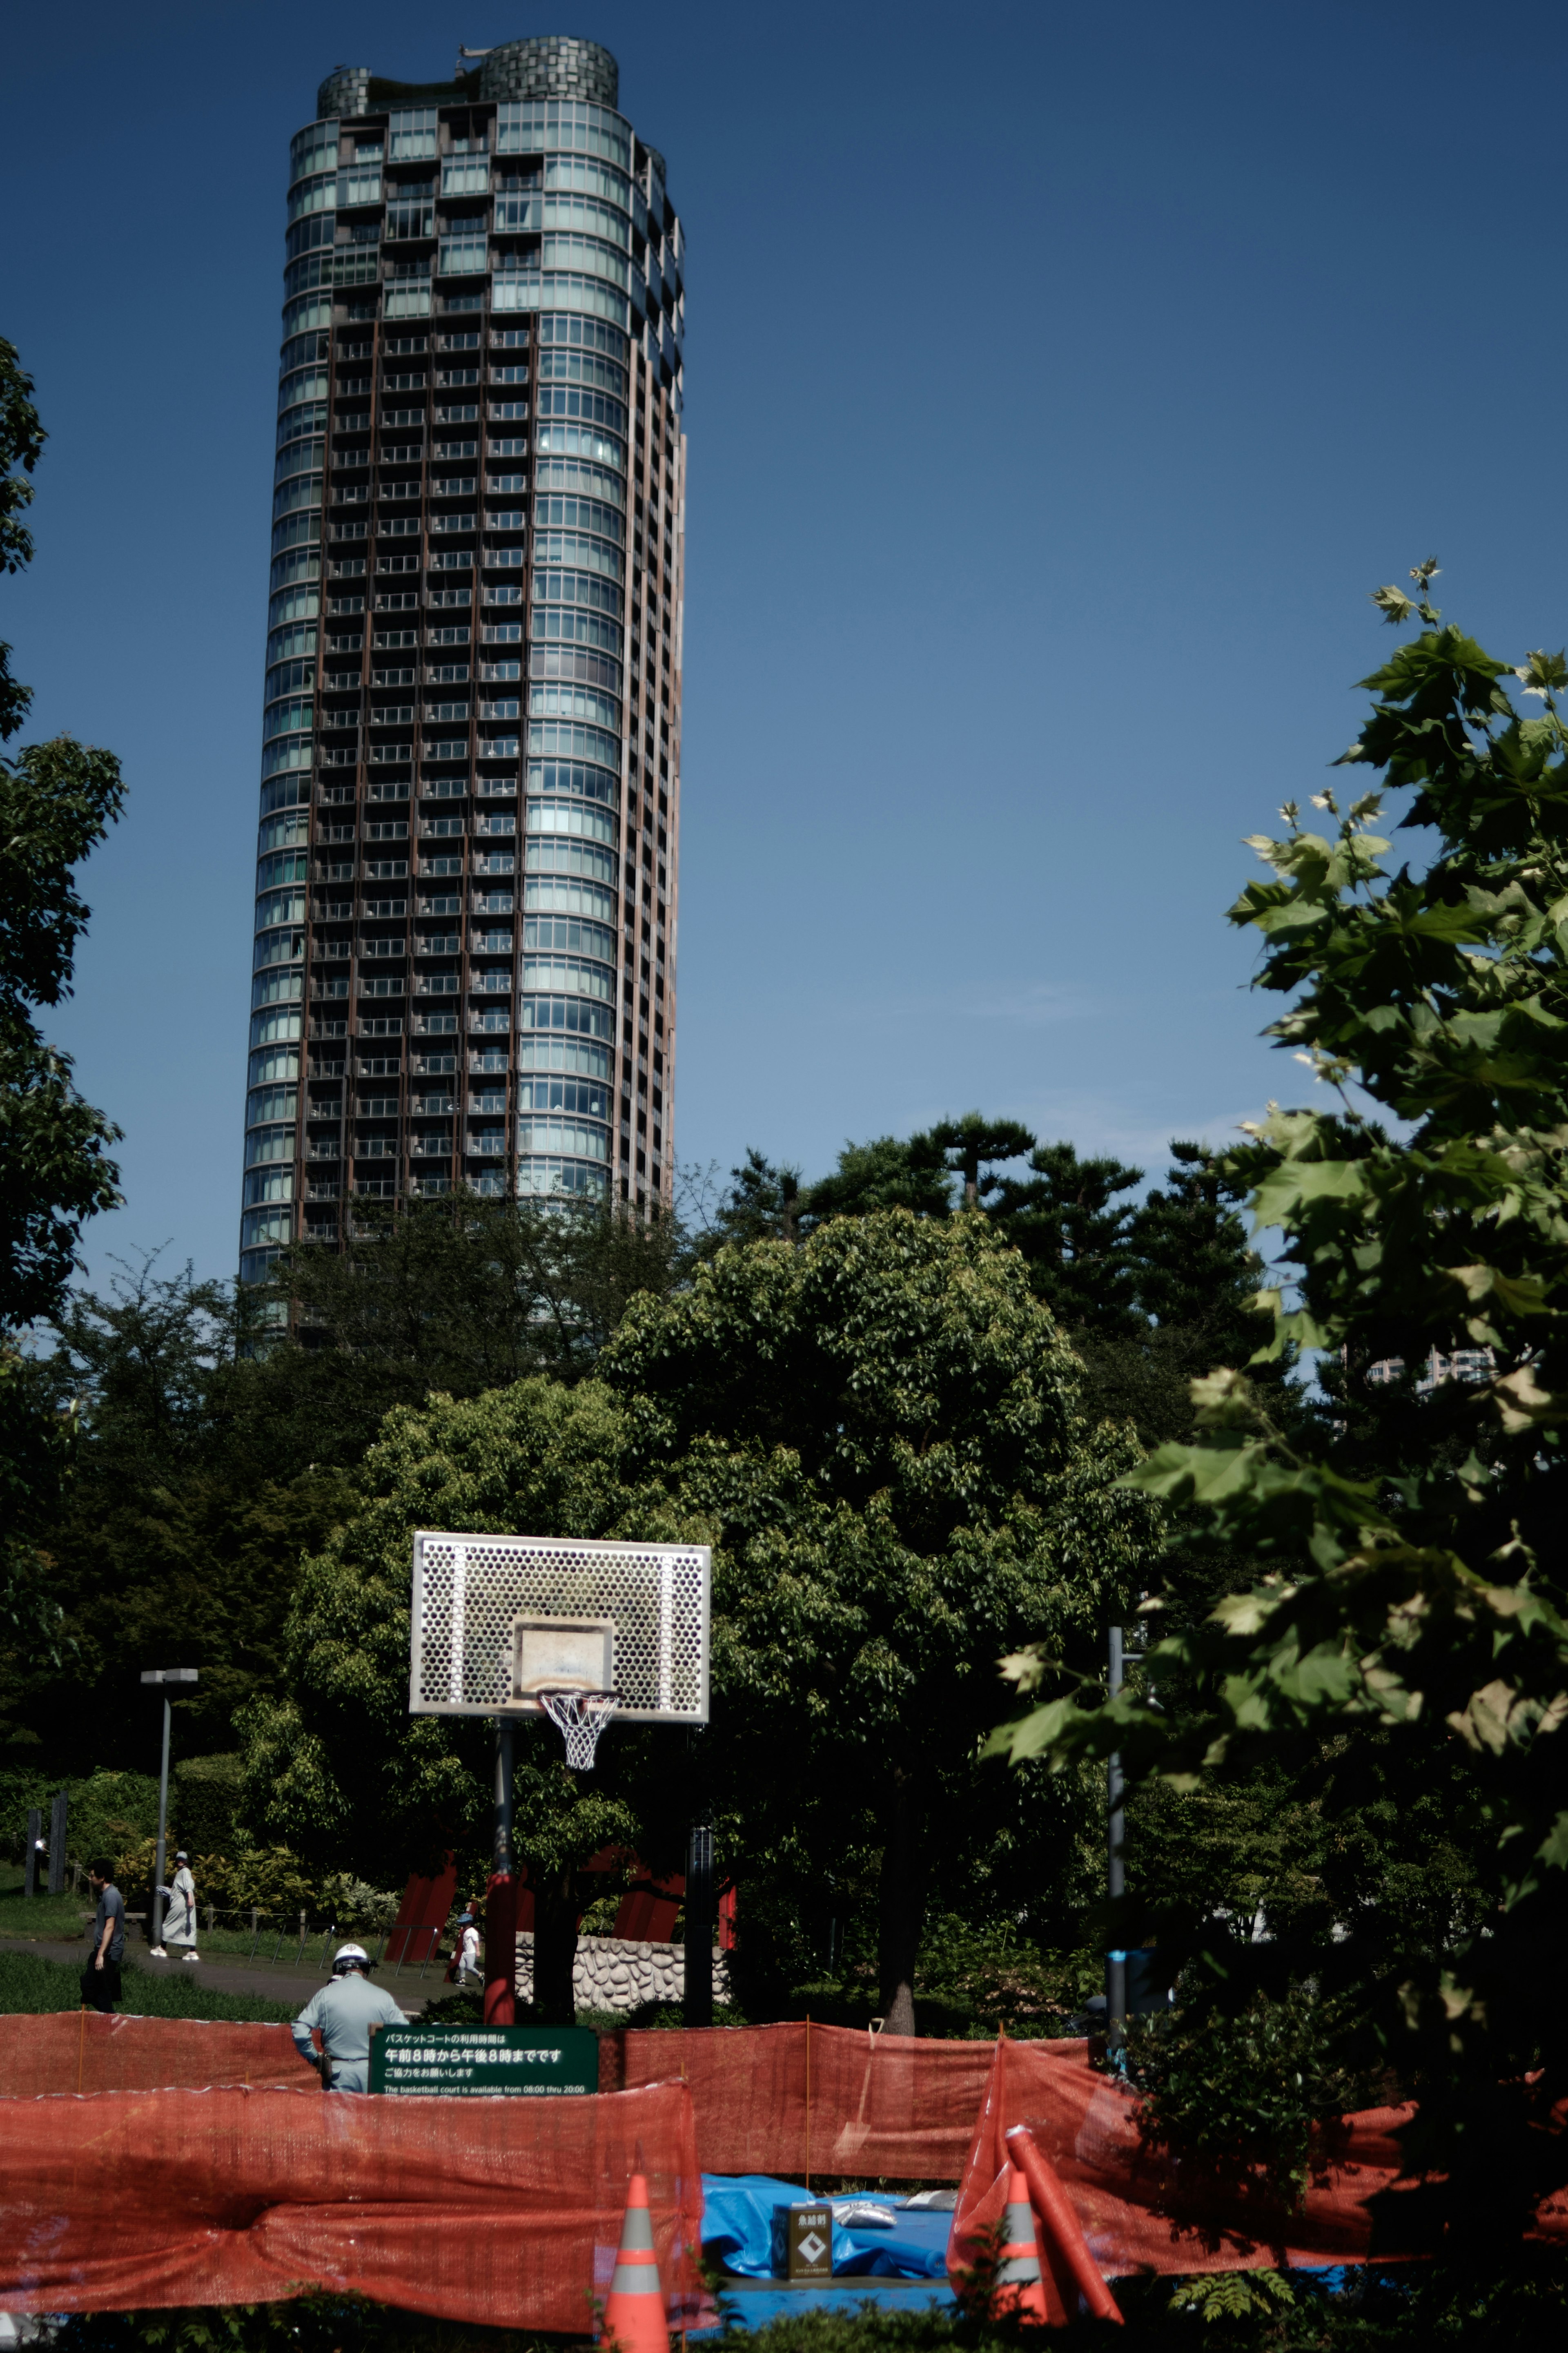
[466, 876]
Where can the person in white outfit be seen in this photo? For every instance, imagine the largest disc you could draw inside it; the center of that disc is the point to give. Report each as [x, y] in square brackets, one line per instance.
[180, 1923]
[469, 1956]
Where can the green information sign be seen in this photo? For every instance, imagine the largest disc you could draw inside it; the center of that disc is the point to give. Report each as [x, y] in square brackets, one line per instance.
[484, 2061]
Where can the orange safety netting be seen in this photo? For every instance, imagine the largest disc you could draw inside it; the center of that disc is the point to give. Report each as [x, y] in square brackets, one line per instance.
[791, 2099]
[501, 2211]
[85, 2051]
[1137, 2208]
[788, 2099]
[806, 2099]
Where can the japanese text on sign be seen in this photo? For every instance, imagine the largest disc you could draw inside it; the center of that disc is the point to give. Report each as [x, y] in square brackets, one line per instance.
[493, 2061]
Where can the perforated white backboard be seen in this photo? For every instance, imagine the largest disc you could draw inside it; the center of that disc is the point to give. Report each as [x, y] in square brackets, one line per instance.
[483, 1607]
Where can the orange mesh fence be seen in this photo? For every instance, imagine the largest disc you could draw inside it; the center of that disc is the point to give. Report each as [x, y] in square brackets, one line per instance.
[501, 2211]
[804, 2099]
[789, 2099]
[1140, 2210]
[83, 2050]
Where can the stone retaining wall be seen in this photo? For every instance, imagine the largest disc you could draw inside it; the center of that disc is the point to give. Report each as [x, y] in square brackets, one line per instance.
[616, 1973]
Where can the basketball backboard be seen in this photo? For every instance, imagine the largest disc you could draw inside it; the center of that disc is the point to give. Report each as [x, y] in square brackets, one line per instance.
[496, 1619]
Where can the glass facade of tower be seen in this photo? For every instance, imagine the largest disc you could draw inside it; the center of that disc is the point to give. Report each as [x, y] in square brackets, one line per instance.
[466, 867]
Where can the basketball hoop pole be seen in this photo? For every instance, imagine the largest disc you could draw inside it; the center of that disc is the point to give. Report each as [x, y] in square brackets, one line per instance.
[500, 1899]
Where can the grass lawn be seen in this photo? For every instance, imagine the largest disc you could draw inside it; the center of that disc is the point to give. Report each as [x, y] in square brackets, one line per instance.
[29, 1984]
[38, 1916]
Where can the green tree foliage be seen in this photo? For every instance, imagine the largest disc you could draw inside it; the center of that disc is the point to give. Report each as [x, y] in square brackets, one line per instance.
[877, 1430]
[1196, 1269]
[1413, 1623]
[761, 1201]
[56, 802]
[1196, 1284]
[191, 1499]
[1149, 1294]
[211, 1454]
[206, 1793]
[22, 438]
[1076, 1233]
[455, 1296]
[336, 1765]
[883, 1174]
[765, 1201]
[876, 1433]
[1399, 2309]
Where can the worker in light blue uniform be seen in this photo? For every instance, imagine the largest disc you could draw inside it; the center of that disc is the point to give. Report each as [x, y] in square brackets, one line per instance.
[343, 2013]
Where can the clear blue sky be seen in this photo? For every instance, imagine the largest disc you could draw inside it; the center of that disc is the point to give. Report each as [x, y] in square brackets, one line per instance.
[1059, 381]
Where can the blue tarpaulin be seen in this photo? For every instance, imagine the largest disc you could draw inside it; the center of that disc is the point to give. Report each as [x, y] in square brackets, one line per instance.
[873, 2237]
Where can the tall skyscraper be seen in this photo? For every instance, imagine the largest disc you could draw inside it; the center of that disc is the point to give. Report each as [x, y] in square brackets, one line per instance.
[470, 798]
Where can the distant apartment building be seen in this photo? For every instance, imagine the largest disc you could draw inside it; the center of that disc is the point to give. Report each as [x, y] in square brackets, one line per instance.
[466, 871]
[1465, 1365]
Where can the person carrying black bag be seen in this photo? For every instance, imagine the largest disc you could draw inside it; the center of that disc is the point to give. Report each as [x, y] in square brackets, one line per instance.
[100, 1979]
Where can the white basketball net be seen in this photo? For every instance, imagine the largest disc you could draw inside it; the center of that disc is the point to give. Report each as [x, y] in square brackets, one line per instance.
[580, 1716]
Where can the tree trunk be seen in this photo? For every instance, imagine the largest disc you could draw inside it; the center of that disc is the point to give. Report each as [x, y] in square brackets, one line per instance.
[901, 1903]
[554, 1946]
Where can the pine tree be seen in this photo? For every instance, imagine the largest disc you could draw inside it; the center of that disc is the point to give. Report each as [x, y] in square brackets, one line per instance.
[1077, 1235]
[1196, 1269]
[972, 1142]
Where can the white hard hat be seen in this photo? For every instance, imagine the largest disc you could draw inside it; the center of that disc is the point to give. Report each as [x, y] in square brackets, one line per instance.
[350, 1957]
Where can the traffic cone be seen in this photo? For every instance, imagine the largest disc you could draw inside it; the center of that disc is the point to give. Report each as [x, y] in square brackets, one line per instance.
[634, 2311]
[1019, 2287]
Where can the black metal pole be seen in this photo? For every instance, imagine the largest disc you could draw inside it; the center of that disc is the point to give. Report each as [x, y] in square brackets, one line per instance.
[31, 1859]
[500, 1899]
[58, 1816]
[503, 1855]
[1115, 1875]
[697, 2005]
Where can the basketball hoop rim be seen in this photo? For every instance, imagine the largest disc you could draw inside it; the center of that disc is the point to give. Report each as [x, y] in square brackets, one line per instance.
[586, 1692]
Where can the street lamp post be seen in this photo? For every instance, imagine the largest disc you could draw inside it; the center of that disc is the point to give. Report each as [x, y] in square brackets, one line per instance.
[697, 2003]
[164, 1675]
[1115, 1872]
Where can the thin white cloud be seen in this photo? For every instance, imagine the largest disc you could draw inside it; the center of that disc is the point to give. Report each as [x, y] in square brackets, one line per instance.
[1039, 1006]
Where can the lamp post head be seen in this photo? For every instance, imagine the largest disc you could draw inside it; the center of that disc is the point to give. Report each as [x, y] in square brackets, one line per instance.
[170, 1674]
